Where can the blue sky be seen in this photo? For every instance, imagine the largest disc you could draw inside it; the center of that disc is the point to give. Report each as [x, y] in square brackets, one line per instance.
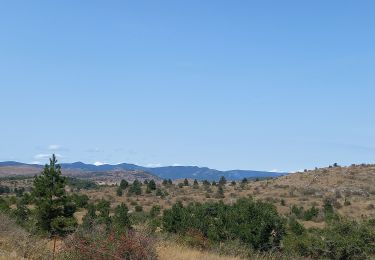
[261, 85]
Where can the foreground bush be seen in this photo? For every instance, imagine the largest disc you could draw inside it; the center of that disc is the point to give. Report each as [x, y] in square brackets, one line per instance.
[252, 222]
[342, 239]
[99, 244]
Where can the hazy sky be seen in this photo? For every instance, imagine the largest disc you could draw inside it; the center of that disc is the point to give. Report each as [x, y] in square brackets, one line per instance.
[260, 85]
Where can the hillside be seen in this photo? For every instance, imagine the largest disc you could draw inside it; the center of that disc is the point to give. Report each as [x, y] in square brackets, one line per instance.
[301, 197]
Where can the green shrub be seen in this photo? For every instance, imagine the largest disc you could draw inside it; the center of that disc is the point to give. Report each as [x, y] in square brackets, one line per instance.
[255, 223]
[311, 213]
[342, 239]
[138, 208]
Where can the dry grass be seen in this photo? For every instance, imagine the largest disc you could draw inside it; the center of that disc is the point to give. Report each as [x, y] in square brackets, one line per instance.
[169, 251]
[307, 189]
[16, 243]
[173, 251]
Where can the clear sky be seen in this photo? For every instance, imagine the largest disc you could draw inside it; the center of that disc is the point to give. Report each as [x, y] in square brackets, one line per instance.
[259, 85]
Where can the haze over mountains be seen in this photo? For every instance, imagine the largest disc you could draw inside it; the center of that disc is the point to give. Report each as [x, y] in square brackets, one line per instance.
[167, 172]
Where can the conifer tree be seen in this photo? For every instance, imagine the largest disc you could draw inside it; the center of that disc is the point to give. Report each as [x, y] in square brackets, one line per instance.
[54, 211]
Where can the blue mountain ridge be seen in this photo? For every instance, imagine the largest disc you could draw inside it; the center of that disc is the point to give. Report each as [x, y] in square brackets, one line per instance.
[166, 172]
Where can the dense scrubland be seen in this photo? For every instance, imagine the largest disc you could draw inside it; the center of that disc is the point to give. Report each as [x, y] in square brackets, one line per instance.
[320, 214]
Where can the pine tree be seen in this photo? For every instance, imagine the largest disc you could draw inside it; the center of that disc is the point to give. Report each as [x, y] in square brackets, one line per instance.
[54, 212]
[88, 220]
[135, 188]
[220, 192]
[222, 180]
[151, 185]
[119, 191]
[121, 219]
[186, 182]
[124, 184]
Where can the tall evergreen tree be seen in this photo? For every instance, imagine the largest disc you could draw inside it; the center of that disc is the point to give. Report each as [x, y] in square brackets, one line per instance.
[53, 210]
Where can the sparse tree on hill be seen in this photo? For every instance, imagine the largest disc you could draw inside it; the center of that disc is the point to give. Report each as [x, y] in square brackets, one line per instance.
[159, 193]
[104, 207]
[88, 220]
[196, 184]
[151, 185]
[220, 192]
[124, 184]
[222, 181]
[121, 219]
[119, 191]
[135, 188]
[186, 182]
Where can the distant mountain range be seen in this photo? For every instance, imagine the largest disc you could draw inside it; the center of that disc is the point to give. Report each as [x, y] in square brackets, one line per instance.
[167, 172]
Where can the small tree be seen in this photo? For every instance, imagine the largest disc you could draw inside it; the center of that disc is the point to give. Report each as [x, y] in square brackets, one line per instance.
[119, 191]
[186, 182]
[53, 210]
[104, 207]
[220, 192]
[159, 193]
[22, 212]
[206, 183]
[90, 217]
[121, 220]
[151, 185]
[135, 188]
[196, 184]
[124, 184]
[222, 180]
[155, 211]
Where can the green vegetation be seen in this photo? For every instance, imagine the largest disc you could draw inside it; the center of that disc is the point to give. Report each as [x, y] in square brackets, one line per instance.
[124, 184]
[246, 227]
[255, 223]
[78, 184]
[135, 188]
[4, 190]
[54, 210]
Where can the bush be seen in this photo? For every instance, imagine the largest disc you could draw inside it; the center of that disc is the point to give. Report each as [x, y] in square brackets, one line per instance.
[81, 201]
[138, 208]
[310, 214]
[255, 223]
[155, 211]
[342, 239]
[100, 245]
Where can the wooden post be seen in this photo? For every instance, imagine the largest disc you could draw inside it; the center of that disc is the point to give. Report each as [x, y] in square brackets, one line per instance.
[54, 248]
